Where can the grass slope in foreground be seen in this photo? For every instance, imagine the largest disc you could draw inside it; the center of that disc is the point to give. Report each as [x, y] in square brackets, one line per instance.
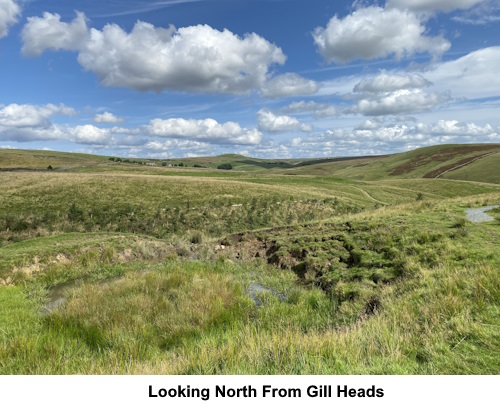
[407, 289]
[138, 272]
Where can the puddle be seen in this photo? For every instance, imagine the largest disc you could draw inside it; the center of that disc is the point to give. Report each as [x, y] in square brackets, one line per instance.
[255, 292]
[58, 295]
[480, 214]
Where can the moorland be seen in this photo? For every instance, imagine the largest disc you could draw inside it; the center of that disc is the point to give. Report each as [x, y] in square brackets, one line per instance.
[235, 265]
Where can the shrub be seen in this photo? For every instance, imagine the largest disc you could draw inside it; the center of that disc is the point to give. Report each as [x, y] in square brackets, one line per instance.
[49, 167]
[225, 166]
[74, 213]
[420, 197]
[196, 238]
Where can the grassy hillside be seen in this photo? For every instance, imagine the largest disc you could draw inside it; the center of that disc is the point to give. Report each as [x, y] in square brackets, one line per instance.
[459, 162]
[34, 159]
[112, 267]
[486, 170]
[421, 163]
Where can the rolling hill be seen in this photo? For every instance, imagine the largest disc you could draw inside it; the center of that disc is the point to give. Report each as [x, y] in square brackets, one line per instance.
[475, 162]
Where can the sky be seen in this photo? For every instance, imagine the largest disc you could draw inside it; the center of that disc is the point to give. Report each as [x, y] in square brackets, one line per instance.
[262, 78]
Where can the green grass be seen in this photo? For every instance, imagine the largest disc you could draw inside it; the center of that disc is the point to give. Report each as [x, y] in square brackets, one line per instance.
[416, 164]
[485, 170]
[33, 159]
[200, 271]
[423, 296]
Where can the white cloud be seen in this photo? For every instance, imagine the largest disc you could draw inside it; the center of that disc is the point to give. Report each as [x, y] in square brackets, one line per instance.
[29, 134]
[392, 93]
[27, 115]
[269, 122]
[399, 102]
[107, 118]
[373, 137]
[289, 85]
[370, 124]
[433, 5]
[208, 130]
[374, 32]
[453, 127]
[317, 109]
[173, 147]
[48, 32]
[90, 134]
[386, 82]
[9, 14]
[486, 12]
[473, 76]
[26, 123]
[195, 58]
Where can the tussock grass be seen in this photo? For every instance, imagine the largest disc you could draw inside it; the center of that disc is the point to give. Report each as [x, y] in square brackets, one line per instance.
[198, 272]
[438, 316]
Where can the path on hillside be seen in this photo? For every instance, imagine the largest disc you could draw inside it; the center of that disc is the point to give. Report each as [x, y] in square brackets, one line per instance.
[368, 195]
[464, 164]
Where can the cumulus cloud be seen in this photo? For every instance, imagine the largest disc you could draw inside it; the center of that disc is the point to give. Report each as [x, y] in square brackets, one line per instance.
[195, 58]
[90, 135]
[48, 32]
[391, 93]
[30, 134]
[27, 123]
[289, 85]
[454, 127]
[399, 102]
[27, 115]
[9, 14]
[269, 122]
[173, 147]
[386, 82]
[433, 5]
[474, 75]
[376, 137]
[319, 110]
[374, 32]
[107, 118]
[370, 124]
[208, 130]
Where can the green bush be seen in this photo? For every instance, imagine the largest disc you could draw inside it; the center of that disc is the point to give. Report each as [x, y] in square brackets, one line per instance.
[75, 214]
[225, 166]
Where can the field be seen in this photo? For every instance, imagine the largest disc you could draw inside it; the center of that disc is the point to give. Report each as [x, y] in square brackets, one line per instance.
[330, 266]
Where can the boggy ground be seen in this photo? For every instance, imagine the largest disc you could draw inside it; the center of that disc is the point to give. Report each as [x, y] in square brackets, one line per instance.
[406, 289]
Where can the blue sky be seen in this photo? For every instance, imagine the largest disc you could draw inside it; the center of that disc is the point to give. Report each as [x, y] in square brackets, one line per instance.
[264, 78]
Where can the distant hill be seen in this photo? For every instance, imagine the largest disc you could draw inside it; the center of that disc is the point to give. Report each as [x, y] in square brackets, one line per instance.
[476, 162]
[40, 159]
